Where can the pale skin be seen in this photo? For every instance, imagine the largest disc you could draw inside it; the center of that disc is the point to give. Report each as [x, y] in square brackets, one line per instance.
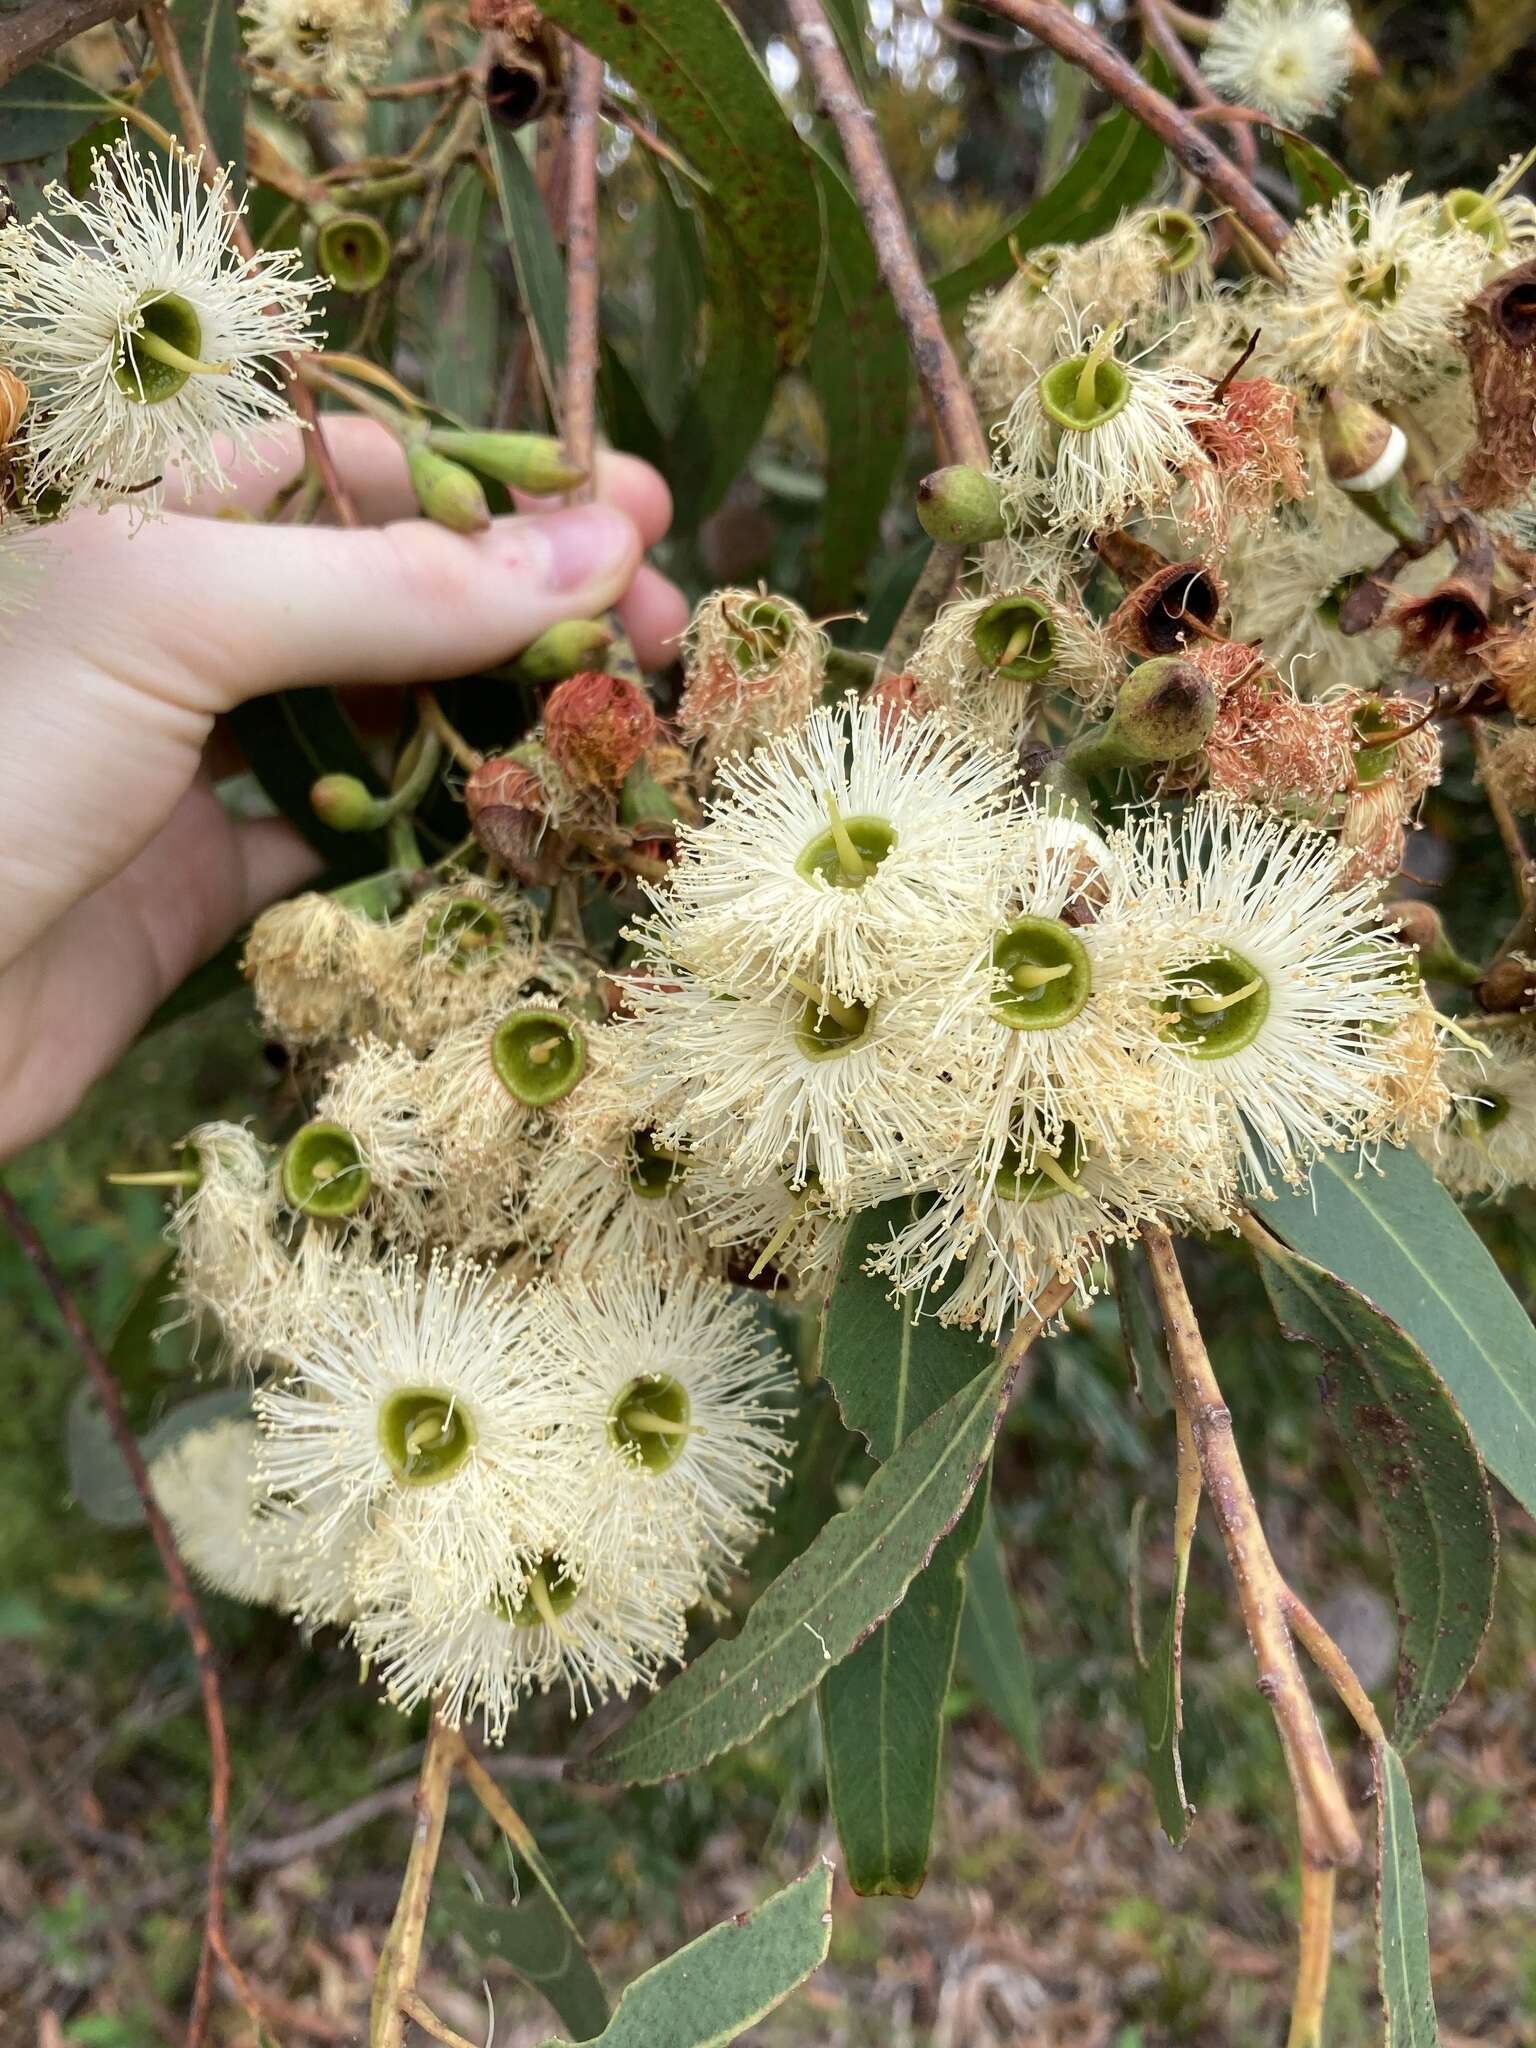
[120, 870]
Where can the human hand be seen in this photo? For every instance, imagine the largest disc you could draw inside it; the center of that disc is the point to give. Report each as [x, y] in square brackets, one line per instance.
[119, 869]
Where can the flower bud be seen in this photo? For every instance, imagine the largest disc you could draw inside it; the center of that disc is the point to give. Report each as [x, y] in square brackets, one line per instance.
[560, 651]
[1364, 455]
[1420, 926]
[1164, 711]
[524, 462]
[960, 505]
[596, 728]
[446, 491]
[510, 815]
[1508, 986]
[344, 803]
[353, 249]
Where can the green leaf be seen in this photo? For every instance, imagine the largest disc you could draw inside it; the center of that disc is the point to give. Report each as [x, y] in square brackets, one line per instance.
[695, 70]
[1069, 95]
[43, 111]
[1314, 173]
[209, 35]
[538, 1939]
[859, 369]
[1413, 1451]
[850, 23]
[677, 294]
[1116, 167]
[1159, 1678]
[291, 739]
[824, 1604]
[710, 1992]
[535, 254]
[1140, 1329]
[882, 1721]
[992, 1652]
[1398, 1237]
[728, 404]
[1402, 1915]
[456, 331]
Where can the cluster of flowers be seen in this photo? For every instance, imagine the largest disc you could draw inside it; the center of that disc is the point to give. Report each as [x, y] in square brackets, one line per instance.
[327, 48]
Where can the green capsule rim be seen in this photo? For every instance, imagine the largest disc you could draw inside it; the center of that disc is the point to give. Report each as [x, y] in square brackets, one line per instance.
[538, 1082]
[338, 1192]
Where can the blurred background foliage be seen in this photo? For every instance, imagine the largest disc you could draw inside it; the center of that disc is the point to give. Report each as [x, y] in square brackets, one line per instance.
[1055, 1911]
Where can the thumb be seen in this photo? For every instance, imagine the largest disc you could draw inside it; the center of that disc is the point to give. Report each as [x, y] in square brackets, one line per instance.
[245, 609]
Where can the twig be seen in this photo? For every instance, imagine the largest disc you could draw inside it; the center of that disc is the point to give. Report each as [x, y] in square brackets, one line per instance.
[1328, 1832]
[183, 1600]
[1159, 30]
[578, 398]
[1314, 1954]
[1334, 1665]
[1515, 848]
[416, 2008]
[495, 1802]
[32, 34]
[400, 1957]
[1060, 30]
[880, 204]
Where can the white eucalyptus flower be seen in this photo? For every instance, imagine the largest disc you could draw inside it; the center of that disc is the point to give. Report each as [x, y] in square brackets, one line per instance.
[987, 660]
[774, 1225]
[1487, 1140]
[1289, 59]
[206, 1483]
[148, 344]
[332, 46]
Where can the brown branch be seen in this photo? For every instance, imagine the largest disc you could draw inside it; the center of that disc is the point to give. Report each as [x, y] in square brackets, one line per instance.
[1334, 1665]
[1315, 1953]
[400, 1957]
[938, 371]
[1155, 22]
[199, 143]
[1327, 1829]
[1060, 30]
[416, 2008]
[39, 30]
[183, 1600]
[1513, 839]
[578, 399]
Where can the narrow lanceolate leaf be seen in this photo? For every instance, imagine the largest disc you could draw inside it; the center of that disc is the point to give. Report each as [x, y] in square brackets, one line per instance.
[727, 405]
[1159, 1678]
[1115, 168]
[859, 371]
[882, 1720]
[1398, 1237]
[823, 1605]
[710, 1992]
[1314, 173]
[209, 35]
[1402, 1917]
[699, 76]
[1139, 1327]
[43, 111]
[992, 1652]
[535, 255]
[1407, 1440]
[291, 739]
[538, 1939]
[456, 324]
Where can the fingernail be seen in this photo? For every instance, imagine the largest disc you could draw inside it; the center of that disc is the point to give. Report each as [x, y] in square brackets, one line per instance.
[586, 543]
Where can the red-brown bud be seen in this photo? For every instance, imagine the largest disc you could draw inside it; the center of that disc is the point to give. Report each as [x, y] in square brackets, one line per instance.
[509, 813]
[596, 728]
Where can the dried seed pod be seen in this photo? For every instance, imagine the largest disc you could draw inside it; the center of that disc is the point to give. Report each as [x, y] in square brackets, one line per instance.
[1500, 344]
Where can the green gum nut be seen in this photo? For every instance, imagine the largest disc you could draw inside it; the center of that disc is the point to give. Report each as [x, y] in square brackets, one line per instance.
[568, 649]
[344, 803]
[1218, 1006]
[549, 1592]
[156, 362]
[322, 1172]
[1043, 1175]
[960, 506]
[463, 933]
[1016, 637]
[1476, 213]
[524, 462]
[823, 1034]
[539, 1056]
[425, 1435]
[1375, 755]
[653, 1171]
[649, 1421]
[446, 491]
[1179, 237]
[353, 250]
[1084, 392]
[1041, 974]
[761, 629]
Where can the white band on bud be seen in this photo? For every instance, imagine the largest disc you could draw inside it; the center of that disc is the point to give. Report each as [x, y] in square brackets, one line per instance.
[1383, 469]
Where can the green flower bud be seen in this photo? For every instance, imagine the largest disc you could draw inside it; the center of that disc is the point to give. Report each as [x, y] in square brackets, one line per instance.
[1364, 454]
[568, 649]
[353, 249]
[1421, 928]
[446, 491]
[345, 804]
[644, 806]
[524, 462]
[1165, 710]
[960, 505]
[322, 1172]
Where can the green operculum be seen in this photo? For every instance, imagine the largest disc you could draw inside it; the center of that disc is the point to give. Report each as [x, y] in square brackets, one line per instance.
[425, 1435]
[1482, 1113]
[654, 1170]
[1218, 1006]
[539, 1056]
[549, 1592]
[649, 1421]
[1016, 637]
[163, 351]
[1041, 974]
[1476, 213]
[323, 1173]
[1038, 1173]
[848, 852]
[827, 1025]
[1086, 391]
[465, 932]
[1178, 236]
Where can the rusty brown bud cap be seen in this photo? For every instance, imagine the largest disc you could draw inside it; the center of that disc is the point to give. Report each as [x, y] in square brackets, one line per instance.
[597, 726]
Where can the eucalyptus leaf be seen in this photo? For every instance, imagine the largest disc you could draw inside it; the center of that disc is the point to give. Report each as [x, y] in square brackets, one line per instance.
[289, 740]
[993, 1656]
[1412, 1449]
[534, 252]
[1159, 1678]
[1395, 1234]
[43, 111]
[849, 1577]
[99, 1477]
[537, 1938]
[211, 50]
[710, 1992]
[1139, 1328]
[1402, 1914]
[1317, 177]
